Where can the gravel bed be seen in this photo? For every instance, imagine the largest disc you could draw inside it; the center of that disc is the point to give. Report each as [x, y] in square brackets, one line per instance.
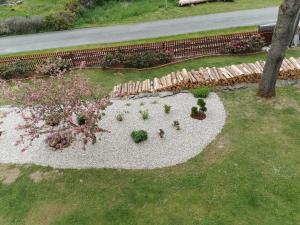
[116, 149]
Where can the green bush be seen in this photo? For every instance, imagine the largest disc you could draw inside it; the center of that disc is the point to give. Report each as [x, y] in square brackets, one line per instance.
[19, 69]
[147, 59]
[201, 92]
[137, 60]
[59, 20]
[194, 110]
[243, 45]
[112, 59]
[202, 105]
[139, 136]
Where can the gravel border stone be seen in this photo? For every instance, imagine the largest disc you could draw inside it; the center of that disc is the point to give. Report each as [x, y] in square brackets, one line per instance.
[116, 149]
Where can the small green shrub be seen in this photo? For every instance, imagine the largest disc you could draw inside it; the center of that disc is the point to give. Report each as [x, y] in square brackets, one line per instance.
[167, 109]
[202, 105]
[201, 92]
[201, 102]
[139, 136]
[145, 114]
[194, 110]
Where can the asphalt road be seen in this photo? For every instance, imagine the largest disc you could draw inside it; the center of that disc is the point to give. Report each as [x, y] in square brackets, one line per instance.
[13, 44]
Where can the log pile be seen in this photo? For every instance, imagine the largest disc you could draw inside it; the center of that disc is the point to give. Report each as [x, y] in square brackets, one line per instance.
[222, 76]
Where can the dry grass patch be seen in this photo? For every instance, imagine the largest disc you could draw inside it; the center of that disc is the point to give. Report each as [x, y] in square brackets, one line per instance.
[217, 149]
[9, 176]
[47, 213]
[39, 176]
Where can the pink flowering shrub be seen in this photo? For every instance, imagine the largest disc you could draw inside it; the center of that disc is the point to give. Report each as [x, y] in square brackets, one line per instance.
[245, 45]
[69, 96]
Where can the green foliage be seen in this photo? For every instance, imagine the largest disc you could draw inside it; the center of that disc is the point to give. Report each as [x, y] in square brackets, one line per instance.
[202, 105]
[137, 60]
[201, 102]
[201, 92]
[194, 110]
[113, 59]
[167, 108]
[59, 20]
[144, 114]
[139, 136]
[244, 45]
[147, 59]
[18, 69]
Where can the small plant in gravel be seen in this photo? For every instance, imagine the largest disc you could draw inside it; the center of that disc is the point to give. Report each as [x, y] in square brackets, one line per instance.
[176, 124]
[194, 110]
[199, 113]
[59, 140]
[154, 102]
[167, 109]
[142, 103]
[201, 92]
[120, 117]
[161, 133]
[128, 104]
[201, 103]
[53, 119]
[139, 136]
[144, 114]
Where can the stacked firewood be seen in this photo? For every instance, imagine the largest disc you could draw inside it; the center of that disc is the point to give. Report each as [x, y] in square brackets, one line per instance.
[222, 76]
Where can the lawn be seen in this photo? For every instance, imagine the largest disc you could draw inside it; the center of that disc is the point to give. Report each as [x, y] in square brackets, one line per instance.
[32, 7]
[115, 12]
[248, 175]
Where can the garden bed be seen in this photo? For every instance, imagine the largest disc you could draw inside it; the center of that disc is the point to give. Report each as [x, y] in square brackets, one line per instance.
[116, 149]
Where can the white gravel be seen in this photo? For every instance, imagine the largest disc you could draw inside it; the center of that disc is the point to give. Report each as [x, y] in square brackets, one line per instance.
[117, 149]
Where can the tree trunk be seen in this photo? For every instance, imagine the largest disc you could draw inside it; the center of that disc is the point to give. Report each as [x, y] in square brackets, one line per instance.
[282, 36]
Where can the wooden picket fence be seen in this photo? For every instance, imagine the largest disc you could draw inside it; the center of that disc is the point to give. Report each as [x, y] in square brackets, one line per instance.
[180, 49]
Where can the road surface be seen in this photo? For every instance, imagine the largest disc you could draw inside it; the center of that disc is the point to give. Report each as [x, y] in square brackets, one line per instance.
[21, 43]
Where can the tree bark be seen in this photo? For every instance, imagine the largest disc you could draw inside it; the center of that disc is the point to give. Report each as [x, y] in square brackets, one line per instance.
[282, 36]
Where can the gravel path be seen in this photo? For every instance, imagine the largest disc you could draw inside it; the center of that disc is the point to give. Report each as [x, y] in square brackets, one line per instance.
[116, 149]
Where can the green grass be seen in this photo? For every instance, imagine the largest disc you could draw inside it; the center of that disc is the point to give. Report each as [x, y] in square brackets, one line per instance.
[248, 175]
[117, 12]
[108, 78]
[146, 10]
[32, 7]
[141, 41]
